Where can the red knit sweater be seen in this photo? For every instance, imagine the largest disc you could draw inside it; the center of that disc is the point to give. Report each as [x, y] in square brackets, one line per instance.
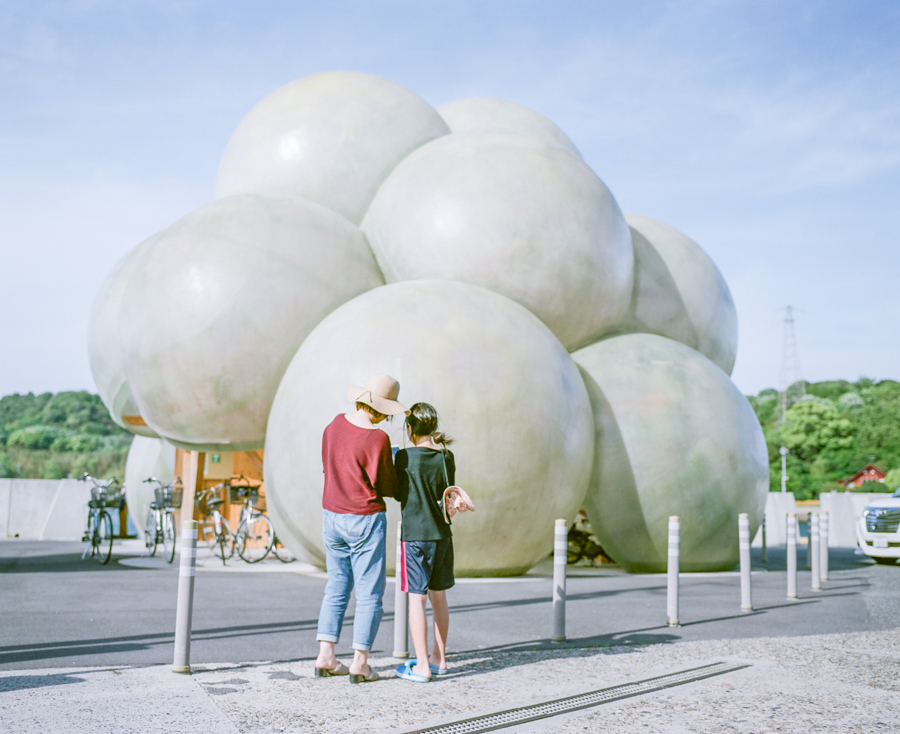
[359, 468]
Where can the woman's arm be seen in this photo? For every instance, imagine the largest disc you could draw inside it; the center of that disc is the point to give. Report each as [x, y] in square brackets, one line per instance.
[386, 474]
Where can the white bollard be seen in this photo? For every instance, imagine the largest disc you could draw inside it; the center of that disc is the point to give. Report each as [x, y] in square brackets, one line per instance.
[401, 604]
[764, 558]
[560, 550]
[744, 549]
[185, 609]
[823, 546]
[674, 556]
[816, 581]
[792, 555]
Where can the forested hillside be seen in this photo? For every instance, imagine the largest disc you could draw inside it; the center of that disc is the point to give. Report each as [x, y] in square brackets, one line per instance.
[835, 430]
[51, 436]
[838, 428]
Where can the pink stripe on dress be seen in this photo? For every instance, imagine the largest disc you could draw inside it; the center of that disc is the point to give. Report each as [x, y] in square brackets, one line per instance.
[404, 579]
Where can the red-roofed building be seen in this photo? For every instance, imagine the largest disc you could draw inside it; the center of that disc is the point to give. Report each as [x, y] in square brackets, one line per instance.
[869, 473]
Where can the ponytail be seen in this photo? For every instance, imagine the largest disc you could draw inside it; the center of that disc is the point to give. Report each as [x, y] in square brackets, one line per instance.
[422, 420]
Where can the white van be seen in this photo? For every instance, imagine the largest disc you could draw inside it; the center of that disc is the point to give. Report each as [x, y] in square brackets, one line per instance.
[878, 529]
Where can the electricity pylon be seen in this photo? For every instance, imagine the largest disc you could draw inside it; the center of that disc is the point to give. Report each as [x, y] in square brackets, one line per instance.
[792, 386]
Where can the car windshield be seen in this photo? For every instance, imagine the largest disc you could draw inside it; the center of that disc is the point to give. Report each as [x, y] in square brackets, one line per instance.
[897, 492]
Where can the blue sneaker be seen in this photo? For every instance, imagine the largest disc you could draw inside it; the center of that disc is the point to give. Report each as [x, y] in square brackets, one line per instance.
[405, 671]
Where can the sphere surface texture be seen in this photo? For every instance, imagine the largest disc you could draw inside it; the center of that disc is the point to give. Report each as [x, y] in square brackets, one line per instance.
[513, 214]
[679, 292]
[220, 304]
[330, 137]
[674, 437]
[147, 457]
[484, 114]
[504, 387]
[103, 343]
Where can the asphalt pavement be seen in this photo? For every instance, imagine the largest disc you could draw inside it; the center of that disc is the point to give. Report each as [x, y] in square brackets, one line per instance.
[62, 611]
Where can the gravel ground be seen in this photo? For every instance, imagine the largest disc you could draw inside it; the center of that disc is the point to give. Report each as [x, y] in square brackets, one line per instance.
[822, 683]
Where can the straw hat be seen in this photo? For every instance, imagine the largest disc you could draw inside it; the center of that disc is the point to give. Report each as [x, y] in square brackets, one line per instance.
[381, 393]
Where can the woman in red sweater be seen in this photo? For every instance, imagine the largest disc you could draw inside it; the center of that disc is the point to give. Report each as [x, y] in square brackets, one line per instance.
[359, 473]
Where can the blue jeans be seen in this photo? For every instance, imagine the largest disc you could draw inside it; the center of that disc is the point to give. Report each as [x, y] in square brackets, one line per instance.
[354, 554]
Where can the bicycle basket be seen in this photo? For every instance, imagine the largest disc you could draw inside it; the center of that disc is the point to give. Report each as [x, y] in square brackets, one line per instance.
[103, 497]
[169, 497]
[238, 493]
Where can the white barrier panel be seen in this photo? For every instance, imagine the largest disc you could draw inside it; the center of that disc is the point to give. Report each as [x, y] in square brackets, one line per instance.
[844, 510]
[778, 505]
[43, 509]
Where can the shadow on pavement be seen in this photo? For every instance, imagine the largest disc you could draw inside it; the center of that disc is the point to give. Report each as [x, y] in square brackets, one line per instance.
[131, 643]
[24, 682]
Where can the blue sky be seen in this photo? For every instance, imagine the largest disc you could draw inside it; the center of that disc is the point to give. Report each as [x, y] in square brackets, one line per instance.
[768, 131]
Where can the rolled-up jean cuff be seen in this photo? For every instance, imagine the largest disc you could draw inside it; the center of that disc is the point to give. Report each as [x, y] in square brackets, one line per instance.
[361, 646]
[326, 638]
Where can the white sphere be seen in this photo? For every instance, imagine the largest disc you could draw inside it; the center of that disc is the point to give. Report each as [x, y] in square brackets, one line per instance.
[219, 306]
[674, 437]
[679, 292]
[147, 457]
[484, 114]
[503, 385]
[103, 344]
[519, 216]
[331, 138]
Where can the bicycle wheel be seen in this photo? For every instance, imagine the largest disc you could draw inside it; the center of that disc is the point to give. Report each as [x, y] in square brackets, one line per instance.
[206, 533]
[282, 553]
[88, 536]
[224, 546]
[169, 536]
[104, 537]
[150, 534]
[254, 538]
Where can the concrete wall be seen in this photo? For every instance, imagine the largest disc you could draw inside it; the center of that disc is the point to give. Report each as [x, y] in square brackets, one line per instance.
[843, 508]
[43, 509]
[778, 505]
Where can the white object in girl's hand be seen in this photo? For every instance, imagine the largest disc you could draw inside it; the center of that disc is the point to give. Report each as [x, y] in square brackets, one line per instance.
[456, 499]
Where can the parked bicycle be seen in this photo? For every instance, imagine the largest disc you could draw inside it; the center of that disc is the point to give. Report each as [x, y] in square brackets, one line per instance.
[161, 520]
[255, 534]
[282, 553]
[99, 531]
[215, 528]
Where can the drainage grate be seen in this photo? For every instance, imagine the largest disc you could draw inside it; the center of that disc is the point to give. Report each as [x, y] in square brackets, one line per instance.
[522, 715]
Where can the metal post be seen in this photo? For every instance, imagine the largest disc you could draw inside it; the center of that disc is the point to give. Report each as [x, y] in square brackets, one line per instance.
[560, 547]
[185, 608]
[744, 548]
[763, 530]
[816, 583]
[823, 546]
[674, 554]
[808, 541]
[792, 555]
[401, 604]
[784, 477]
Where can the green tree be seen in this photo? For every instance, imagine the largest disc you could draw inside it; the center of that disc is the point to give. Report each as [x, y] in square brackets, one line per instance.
[812, 427]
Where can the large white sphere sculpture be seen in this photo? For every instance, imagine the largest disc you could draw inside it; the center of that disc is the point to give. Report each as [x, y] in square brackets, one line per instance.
[674, 437]
[330, 137]
[514, 214]
[219, 306]
[484, 114]
[504, 386]
[103, 344]
[679, 292]
[147, 457]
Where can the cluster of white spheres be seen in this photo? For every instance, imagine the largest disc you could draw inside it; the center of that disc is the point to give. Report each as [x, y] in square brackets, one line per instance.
[579, 355]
